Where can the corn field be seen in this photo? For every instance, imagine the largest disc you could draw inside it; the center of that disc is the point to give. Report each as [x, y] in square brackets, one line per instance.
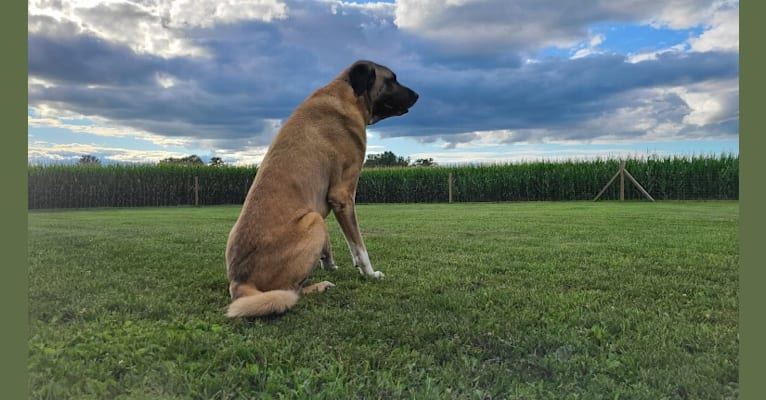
[668, 178]
[75, 186]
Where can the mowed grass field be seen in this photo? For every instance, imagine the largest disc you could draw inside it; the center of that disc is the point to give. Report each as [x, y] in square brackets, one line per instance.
[569, 300]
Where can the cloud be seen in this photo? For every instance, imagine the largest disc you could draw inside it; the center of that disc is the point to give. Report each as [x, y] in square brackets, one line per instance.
[254, 74]
[590, 48]
[557, 95]
[489, 25]
[89, 60]
[221, 76]
[722, 33]
[207, 13]
[42, 152]
[157, 27]
[710, 102]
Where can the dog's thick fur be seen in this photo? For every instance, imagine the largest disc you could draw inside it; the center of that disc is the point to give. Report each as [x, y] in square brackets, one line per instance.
[311, 168]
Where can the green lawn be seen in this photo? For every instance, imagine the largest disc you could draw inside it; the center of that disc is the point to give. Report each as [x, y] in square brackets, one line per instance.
[562, 300]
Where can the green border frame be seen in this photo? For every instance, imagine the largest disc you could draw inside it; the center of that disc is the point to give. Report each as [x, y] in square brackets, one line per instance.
[751, 294]
[13, 30]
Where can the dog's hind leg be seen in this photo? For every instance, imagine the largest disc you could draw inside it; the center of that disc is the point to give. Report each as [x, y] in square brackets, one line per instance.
[316, 243]
[328, 262]
[275, 290]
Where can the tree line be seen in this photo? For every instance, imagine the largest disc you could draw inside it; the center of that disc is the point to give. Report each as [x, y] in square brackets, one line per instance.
[192, 160]
[386, 159]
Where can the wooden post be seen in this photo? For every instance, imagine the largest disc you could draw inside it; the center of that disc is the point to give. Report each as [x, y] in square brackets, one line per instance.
[449, 186]
[607, 185]
[638, 185]
[196, 191]
[622, 180]
[622, 172]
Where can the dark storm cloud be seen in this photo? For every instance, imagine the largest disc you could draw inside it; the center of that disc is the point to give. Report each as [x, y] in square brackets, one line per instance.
[551, 94]
[89, 60]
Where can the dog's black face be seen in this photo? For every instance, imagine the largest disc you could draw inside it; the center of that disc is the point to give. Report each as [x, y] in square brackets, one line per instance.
[386, 97]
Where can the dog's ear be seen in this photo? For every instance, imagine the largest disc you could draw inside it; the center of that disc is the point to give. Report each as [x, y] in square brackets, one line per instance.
[361, 77]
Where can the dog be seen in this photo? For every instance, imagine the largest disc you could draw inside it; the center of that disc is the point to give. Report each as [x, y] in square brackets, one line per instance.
[311, 168]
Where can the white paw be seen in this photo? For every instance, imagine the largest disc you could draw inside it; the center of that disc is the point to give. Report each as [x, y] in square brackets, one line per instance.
[369, 272]
[377, 274]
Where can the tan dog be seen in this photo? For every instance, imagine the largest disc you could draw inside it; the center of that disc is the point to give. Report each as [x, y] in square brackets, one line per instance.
[311, 167]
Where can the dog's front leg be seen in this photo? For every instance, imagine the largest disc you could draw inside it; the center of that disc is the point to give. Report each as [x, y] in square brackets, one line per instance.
[345, 213]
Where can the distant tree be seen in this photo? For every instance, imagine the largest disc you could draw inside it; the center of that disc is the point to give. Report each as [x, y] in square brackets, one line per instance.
[88, 159]
[386, 159]
[424, 162]
[188, 160]
[217, 162]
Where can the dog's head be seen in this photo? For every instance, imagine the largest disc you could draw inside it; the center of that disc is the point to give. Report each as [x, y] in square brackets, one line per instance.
[385, 96]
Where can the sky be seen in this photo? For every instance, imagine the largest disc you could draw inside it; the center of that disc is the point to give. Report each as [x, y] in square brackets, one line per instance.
[137, 81]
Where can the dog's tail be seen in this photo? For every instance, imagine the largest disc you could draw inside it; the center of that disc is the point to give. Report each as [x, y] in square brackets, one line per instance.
[260, 304]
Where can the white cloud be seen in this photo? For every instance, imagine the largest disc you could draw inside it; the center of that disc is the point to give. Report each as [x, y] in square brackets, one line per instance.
[47, 117]
[486, 23]
[659, 118]
[207, 13]
[645, 116]
[591, 48]
[710, 102]
[721, 22]
[234, 152]
[683, 14]
[532, 24]
[484, 139]
[722, 35]
[166, 80]
[156, 27]
[40, 150]
[652, 55]
[246, 157]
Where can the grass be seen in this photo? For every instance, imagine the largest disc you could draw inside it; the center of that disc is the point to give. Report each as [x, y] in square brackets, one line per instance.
[513, 300]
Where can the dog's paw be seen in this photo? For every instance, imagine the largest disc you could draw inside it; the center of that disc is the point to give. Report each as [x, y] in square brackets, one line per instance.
[317, 288]
[370, 273]
[323, 286]
[377, 275]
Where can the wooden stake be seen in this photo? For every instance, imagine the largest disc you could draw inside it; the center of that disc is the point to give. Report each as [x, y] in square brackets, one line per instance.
[622, 172]
[607, 185]
[196, 191]
[638, 185]
[449, 186]
[622, 180]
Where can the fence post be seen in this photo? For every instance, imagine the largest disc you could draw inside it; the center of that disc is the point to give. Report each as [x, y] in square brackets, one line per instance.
[622, 180]
[196, 191]
[449, 186]
[622, 172]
